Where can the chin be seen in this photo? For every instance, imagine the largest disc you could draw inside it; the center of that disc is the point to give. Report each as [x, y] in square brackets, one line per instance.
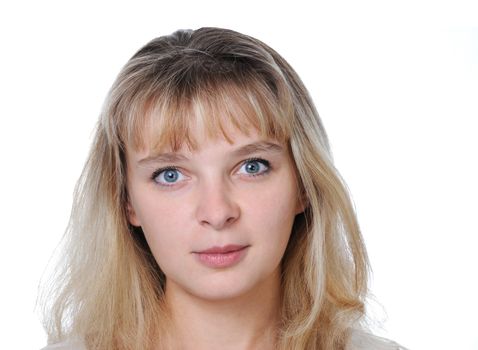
[221, 290]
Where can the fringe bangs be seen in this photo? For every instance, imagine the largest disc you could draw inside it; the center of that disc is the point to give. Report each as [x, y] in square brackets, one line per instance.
[164, 118]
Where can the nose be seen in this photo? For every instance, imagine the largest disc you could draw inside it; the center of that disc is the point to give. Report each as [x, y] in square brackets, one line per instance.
[217, 208]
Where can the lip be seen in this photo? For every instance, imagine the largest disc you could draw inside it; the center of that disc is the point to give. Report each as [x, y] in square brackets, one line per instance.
[221, 250]
[221, 257]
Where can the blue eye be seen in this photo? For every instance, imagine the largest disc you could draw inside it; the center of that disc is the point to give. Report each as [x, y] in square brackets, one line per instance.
[255, 167]
[170, 176]
[167, 176]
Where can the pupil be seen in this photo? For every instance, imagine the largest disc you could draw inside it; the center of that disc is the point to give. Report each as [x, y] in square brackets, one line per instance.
[252, 167]
[171, 175]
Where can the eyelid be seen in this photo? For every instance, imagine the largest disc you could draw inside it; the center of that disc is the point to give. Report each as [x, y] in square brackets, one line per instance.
[159, 171]
[262, 161]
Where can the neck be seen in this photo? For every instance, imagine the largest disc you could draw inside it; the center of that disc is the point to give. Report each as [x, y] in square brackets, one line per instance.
[248, 321]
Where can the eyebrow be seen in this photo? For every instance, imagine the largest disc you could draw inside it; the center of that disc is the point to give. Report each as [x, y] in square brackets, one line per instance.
[261, 146]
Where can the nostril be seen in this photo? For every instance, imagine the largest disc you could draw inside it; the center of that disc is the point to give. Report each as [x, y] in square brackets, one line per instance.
[216, 207]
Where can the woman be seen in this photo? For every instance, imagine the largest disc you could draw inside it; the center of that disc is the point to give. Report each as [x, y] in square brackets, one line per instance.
[209, 213]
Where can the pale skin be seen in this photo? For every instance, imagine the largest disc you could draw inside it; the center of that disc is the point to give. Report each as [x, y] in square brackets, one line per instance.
[244, 193]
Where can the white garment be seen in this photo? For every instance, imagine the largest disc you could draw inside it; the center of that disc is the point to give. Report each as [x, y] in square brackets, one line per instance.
[359, 340]
[66, 345]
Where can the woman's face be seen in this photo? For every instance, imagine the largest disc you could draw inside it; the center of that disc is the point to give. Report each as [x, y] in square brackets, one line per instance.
[217, 219]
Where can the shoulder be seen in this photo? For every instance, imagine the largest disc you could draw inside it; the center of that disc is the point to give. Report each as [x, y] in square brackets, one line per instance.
[361, 340]
[66, 345]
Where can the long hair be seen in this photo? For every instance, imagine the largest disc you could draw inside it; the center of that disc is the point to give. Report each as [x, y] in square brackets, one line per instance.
[108, 289]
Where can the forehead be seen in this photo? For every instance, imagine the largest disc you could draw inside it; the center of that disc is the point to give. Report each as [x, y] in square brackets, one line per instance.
[227, 137]
[239, 146]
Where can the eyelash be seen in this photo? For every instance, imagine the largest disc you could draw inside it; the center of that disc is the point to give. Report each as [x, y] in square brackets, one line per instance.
[264, 162]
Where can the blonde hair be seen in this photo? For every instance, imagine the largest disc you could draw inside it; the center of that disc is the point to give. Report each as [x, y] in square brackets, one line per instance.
[108, 288]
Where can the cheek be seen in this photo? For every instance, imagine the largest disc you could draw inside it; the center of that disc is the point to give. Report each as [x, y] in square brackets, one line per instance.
[155, 211]
[278, 200]
[170, 247]
[163, 224]
[272, 212]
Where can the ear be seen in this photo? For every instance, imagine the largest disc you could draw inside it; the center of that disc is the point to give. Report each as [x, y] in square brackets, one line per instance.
[132, 217]
[302, 203]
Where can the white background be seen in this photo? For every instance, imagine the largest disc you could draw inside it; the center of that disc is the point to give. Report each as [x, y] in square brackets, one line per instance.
[396, 84]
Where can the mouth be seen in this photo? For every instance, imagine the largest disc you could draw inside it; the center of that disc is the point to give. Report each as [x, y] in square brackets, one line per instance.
[222, 257]
[222, 250]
